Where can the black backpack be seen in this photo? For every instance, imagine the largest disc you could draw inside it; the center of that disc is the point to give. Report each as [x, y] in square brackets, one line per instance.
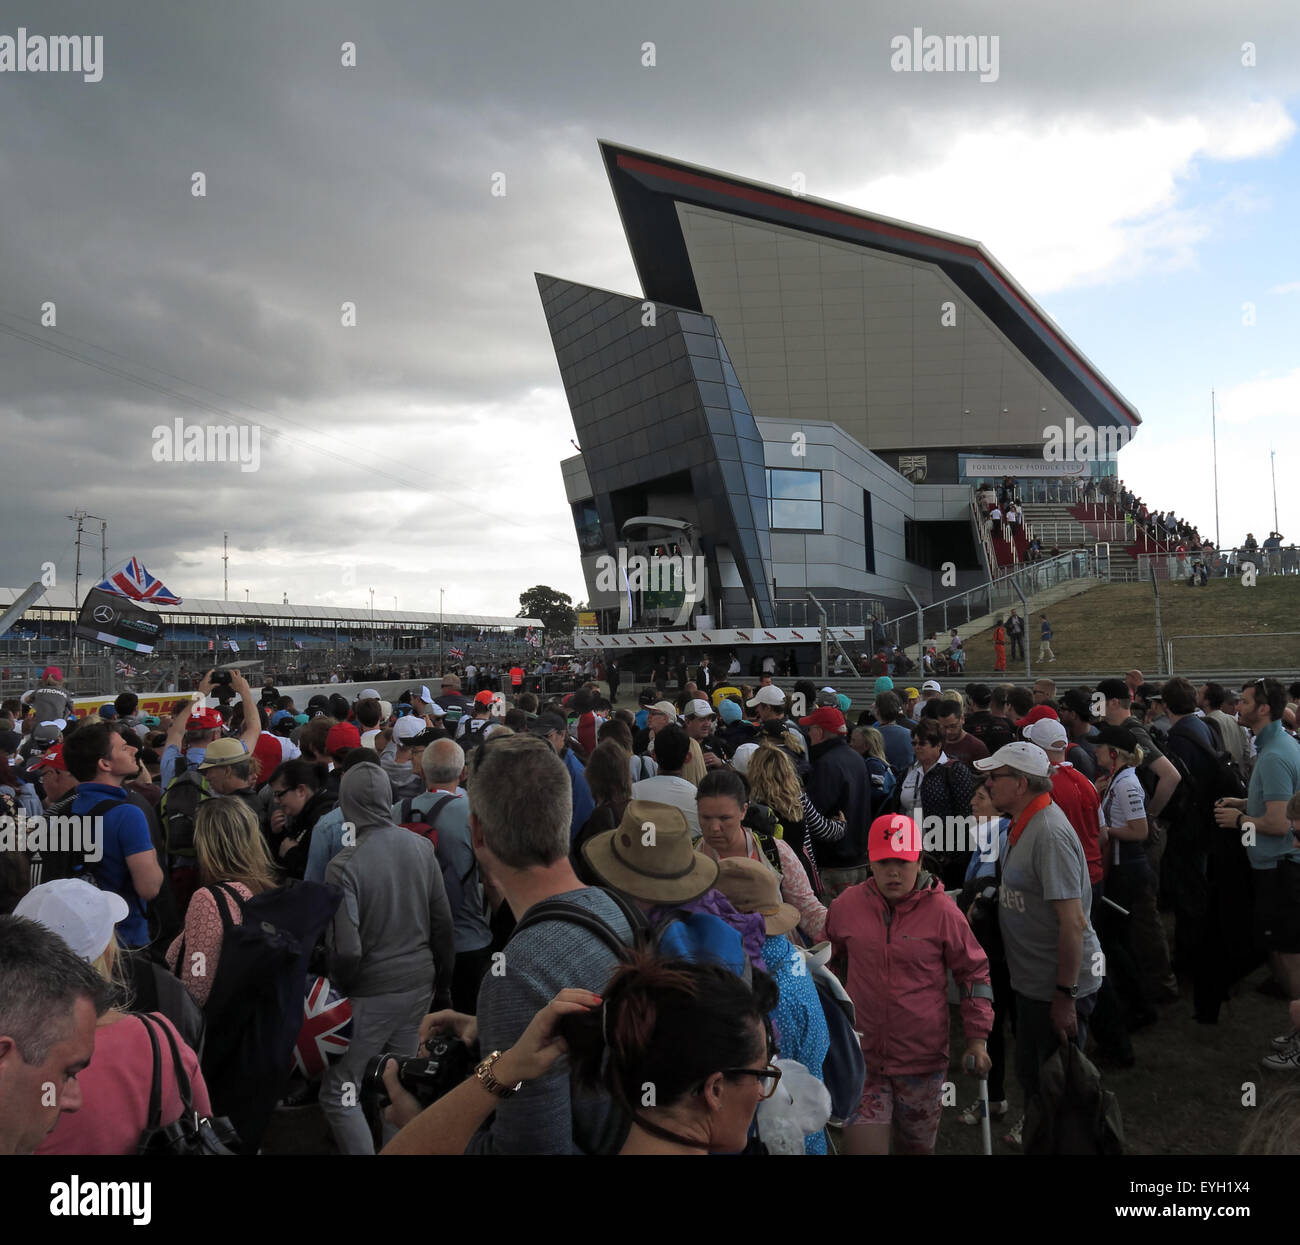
[255, 1009]
[1071, 1113]
[179, 806]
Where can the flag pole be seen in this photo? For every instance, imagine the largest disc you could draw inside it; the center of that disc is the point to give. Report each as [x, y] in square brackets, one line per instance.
[1214, 442]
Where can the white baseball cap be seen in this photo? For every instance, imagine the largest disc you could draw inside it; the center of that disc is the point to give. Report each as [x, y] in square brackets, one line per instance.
[425, 695]
[369, 694]
[408, 727]
[1022, 757]
[79, 912]
[698, 709]
[740, 762]
[1047, 733]
[931, 685]
[769, 695]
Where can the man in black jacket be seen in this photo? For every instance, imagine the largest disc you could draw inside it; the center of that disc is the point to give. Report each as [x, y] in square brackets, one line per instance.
[839, 783]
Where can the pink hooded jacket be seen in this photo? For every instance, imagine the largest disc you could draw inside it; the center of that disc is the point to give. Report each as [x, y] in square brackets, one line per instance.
[896, 961]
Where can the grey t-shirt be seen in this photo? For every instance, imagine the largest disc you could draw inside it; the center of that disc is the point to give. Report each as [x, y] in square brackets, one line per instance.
[548, 1116]
[1046, 864]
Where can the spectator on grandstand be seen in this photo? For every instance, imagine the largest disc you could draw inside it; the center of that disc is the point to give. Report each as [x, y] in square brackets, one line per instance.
[1272, 847]
[798, 1019]
[723, 808]
[901, 1006]
[1043, 915]
[50, 1000]
[101, 760]
[391, 943]
[116, 1085]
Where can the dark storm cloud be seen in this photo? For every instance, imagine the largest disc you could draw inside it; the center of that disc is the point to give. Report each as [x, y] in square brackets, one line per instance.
[372, 185]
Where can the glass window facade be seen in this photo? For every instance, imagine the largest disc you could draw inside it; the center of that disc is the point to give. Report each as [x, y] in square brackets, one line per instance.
[795, 499]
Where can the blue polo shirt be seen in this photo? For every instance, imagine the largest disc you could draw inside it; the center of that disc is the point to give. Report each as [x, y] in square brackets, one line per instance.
[1276, 776]
[125, 832]
[167, 762]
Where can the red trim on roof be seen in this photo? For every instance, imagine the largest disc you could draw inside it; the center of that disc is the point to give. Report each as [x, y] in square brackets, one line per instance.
[792, 203]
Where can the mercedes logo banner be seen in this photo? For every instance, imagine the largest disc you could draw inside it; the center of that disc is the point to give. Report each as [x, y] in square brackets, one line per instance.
[117, 621]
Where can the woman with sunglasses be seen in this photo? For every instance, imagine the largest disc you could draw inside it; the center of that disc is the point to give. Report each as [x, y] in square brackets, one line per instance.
[685, 1048]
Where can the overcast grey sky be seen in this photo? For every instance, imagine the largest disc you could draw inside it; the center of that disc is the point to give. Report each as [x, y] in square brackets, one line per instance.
[1126, 167]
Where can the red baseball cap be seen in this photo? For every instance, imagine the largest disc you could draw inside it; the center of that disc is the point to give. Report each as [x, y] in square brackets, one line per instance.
[205, 720]
[53, 759]
[827, 717]
[1037, 714]
[484, 698]
[894, 837]
[342, 735]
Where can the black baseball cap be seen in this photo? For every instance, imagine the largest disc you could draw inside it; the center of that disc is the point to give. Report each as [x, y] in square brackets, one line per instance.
[1116, 737]
[545, 723]
[1114, 689]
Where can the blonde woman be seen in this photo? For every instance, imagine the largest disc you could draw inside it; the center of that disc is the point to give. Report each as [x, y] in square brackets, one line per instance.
[869, 744]
[230, 848]
[773, 781]
[115, 1086]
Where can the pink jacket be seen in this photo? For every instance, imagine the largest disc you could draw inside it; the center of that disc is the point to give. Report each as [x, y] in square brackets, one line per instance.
[896, 979]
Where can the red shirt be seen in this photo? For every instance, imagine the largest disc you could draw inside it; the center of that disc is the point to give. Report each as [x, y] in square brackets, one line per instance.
[1077, 798]
[115, 1092]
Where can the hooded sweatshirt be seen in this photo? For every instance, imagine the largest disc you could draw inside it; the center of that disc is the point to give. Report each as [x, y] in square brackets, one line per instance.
[896, 974]
[393, 930]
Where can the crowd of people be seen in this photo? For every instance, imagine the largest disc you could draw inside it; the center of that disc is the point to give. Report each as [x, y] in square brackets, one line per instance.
[706, 923]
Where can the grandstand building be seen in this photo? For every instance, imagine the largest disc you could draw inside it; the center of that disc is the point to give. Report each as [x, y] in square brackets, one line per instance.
[305, 636]
[806, 397]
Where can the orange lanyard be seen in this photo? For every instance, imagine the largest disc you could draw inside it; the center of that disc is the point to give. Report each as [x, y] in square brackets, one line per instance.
[1036, 805]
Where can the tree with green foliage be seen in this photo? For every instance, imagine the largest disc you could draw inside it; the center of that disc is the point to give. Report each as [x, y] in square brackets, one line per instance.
[555, 609]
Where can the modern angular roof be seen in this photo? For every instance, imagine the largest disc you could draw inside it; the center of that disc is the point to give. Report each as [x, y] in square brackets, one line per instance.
[649, 187]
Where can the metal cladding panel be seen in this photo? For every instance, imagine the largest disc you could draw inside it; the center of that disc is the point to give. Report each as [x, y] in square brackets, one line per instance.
[651, 400]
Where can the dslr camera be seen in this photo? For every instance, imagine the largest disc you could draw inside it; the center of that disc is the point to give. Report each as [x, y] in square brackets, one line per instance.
[221, 678]
[426, 1077]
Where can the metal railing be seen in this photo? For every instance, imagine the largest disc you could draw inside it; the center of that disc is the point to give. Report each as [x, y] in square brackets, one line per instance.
[996, 595]
[840, 612]
[1221, 563]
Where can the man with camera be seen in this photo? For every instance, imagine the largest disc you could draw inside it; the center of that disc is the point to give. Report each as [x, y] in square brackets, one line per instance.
[201, 725]
[520, 801]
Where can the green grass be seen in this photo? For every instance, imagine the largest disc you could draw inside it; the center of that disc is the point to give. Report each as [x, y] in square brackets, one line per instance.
[1112, 627]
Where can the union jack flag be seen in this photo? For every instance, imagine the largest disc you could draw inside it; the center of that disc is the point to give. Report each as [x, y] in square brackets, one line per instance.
[261, 646]
[457, 653]
[326, 1029]
[133, 581]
